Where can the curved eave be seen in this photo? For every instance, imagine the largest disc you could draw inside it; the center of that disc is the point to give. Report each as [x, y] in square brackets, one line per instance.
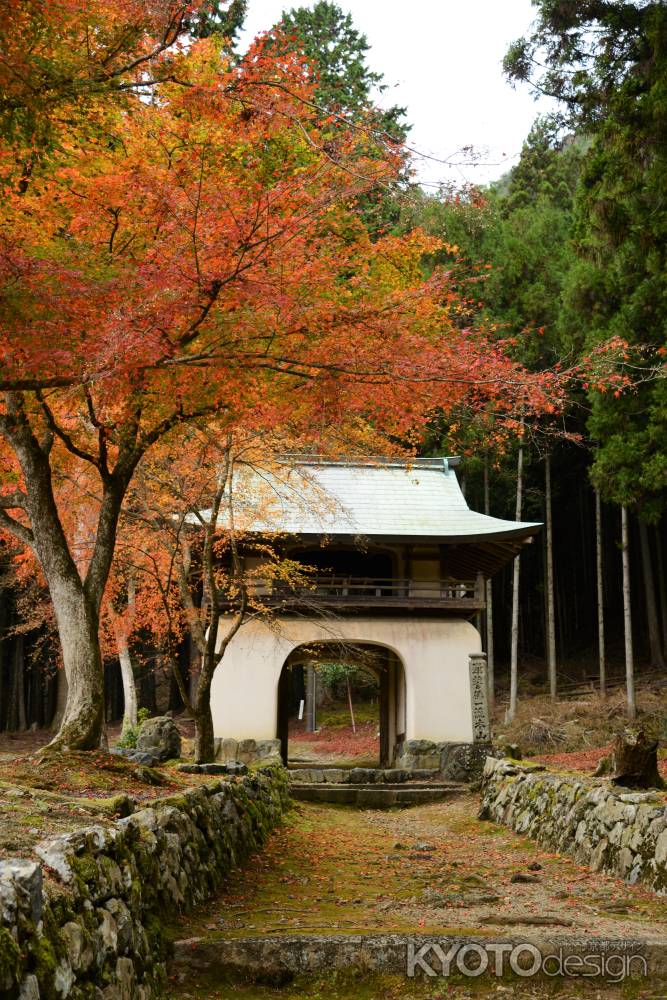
[467, 555]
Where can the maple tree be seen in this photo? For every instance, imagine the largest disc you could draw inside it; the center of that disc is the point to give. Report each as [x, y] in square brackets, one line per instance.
[196, 254]
[198, 574]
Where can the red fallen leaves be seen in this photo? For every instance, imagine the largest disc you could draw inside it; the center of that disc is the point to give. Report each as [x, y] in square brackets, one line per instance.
[341, 742]
[584, 760]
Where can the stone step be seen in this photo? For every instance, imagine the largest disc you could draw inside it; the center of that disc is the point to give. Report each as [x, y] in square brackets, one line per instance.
[377, 796]
[360, 775]
[275, 961]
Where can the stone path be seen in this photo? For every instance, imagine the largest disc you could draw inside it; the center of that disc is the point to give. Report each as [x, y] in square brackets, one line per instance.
[430, 870]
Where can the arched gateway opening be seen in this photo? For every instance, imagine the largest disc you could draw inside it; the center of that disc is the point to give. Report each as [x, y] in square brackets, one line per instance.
[398, 563]
[297, 699]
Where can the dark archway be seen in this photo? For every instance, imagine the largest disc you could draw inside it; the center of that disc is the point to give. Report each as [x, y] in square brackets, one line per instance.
[379, 661]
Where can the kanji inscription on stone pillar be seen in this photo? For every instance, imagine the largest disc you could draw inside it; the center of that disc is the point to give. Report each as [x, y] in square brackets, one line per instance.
[481, 724]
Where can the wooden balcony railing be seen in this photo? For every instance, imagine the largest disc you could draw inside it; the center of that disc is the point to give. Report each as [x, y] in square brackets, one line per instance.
[359, 592]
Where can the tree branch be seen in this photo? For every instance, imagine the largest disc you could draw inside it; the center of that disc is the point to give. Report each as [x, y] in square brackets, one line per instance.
[17, 529]
[63, 435]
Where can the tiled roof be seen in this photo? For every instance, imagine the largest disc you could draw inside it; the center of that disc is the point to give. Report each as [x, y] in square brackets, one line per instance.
[369, 498]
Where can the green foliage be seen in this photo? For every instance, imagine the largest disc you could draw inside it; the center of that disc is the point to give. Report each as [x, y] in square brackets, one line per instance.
[337, 673]
[219, 17]
[569, 250]
[607, 65]
[345, 83]
[130, 734]
[347, 88]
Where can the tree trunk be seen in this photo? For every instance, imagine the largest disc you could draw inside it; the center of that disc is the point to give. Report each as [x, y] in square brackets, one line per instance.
[652, 622]
[600, 594]
[78, 624]
[311, 704]
[514, 652]
[488, 586]
[551, 604]
[627, 616]
[204, 734]
[61, 699]
[662, 588]
[635, 761]
[349, 701]
[19, 679]
[129, 686]
[76, 604]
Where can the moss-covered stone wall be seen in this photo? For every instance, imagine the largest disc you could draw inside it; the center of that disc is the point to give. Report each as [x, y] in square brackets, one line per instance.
[611, 829]
[95, 928]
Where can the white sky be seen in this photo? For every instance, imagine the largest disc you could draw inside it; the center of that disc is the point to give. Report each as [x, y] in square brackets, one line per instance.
[442, 59]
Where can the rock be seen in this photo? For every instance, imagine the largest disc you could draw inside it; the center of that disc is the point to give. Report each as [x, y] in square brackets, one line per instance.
[79, 949]
[160, 737]
[29, 989]
[54, 853]
[25, 895]
[236, 767]
[106, 934]
[605, 767]
[524, 878]
[361, 775]
[125, 977]
[148, 776]
[462, 761]
[661, 849]
[123, 920]
[63, 979]
[547, 920]
[226, 751]
[334, 775]
[137, 756]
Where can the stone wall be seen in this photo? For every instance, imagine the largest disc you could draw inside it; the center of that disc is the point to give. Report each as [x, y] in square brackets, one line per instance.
[96, 928]
[454, 761]
[611, 829]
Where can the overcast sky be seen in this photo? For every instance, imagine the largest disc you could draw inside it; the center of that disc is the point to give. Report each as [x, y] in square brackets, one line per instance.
[442, 60]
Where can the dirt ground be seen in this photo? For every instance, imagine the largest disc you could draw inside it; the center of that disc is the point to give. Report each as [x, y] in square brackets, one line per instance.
[44, 793]
[433, 869]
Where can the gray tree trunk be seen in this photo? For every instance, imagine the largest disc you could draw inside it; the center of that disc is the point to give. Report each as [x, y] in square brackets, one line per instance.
[78, 627]
[490, 661]
[627, 616]
[551, 604]
[514, 650]
[311, 701]
[662, 587]
[652, 622]
[76, 599]
[600, 594]
[129, 685]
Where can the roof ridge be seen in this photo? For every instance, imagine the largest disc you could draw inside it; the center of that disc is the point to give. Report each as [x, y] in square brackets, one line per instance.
[441, 462]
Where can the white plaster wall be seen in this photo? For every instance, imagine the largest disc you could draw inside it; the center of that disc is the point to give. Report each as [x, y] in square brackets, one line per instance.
[434, 655]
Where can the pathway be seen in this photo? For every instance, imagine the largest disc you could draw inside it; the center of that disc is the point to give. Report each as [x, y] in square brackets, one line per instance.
[433, 869]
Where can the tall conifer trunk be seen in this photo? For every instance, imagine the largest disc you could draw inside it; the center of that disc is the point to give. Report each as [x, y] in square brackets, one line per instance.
[600, 594]
[514, 651]
[490, 659]
[652, 622]
[627, 616]
[551, 604]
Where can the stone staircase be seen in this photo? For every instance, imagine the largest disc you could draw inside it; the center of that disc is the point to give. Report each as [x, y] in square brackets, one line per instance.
[371, 788]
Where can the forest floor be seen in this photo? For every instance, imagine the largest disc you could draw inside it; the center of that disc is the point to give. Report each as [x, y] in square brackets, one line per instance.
[43, 794]
[433, 869]
[583, 723]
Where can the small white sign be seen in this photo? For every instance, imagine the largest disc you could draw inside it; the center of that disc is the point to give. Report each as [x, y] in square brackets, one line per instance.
[301, 705]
